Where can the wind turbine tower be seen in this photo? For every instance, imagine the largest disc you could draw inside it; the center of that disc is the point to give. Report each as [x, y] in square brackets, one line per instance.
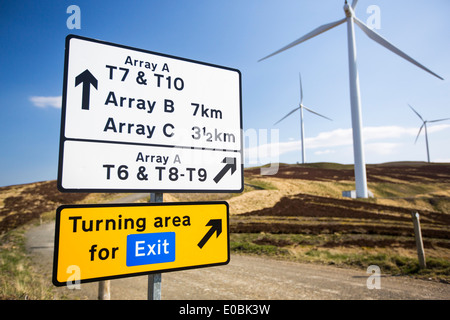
[302, 127]
[424, 125]
[355, 101]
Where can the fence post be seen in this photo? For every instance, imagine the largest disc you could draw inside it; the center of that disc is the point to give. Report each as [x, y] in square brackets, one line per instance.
[419, 242]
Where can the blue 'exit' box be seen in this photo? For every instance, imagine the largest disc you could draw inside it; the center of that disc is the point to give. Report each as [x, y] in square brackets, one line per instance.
[149, 248]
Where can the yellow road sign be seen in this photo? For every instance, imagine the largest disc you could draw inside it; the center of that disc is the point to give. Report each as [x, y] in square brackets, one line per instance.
[100, 242]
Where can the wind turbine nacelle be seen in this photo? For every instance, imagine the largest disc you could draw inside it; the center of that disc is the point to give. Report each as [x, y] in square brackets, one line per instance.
[348, 10]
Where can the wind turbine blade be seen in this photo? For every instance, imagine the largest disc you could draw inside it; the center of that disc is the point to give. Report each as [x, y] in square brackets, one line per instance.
[380, 40]
[354, 4]
[307, 36]
[419, 132]
[316, 113]
[301, 89]
[287, 115]
[439, 120]
[416, 112]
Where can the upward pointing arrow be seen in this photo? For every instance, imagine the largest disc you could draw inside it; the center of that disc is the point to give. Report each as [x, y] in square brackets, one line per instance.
[87, 79]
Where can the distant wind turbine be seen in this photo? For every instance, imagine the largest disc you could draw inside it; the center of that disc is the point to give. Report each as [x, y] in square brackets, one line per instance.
[301, 107]
[355, 101]
[424, 125]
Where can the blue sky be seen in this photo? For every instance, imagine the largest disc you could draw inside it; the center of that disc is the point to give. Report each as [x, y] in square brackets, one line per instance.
[236, 34]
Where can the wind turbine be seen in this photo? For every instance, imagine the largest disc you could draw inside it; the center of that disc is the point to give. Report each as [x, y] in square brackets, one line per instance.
[424, 125]
[355, 101]
[301, 107]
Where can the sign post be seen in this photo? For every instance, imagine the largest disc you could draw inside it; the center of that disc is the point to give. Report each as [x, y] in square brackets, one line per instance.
[154, 280]
[140, 121]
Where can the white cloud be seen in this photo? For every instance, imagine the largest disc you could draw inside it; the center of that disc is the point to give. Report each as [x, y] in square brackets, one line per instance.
[321, 152]
[44, 102]
[387, 132]
[342, 137]
[437, 127]
[383, 140]
[390, 132]
[381, 148]
[335, 138]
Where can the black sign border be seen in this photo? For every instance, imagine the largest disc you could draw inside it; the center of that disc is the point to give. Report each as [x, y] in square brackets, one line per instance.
[117, 205]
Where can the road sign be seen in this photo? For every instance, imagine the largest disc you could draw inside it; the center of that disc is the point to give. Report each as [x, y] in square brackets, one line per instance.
[100, 242]
[135, 120]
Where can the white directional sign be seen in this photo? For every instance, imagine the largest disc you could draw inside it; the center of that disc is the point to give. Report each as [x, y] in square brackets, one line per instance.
[137, 120]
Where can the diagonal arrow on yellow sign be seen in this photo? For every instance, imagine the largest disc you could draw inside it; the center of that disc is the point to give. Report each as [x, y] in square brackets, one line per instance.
[216, 226]
[100, 242]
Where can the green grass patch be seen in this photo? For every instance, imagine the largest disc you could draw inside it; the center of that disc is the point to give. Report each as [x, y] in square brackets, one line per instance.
[312, 250]
[388, 263]
[18, 281]
[250, 185]
[328, 165]
[259, 249]
[394, 190]
[259, 184]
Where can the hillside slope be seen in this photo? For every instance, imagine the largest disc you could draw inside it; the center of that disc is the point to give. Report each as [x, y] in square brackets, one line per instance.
[299, 213]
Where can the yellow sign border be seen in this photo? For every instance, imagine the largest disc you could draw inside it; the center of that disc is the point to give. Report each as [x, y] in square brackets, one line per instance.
[200, 236]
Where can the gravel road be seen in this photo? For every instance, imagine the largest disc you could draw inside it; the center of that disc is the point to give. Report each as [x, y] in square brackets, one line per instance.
[245, 277]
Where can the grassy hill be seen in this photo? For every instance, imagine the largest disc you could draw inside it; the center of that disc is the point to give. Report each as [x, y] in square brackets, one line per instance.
[297, 214]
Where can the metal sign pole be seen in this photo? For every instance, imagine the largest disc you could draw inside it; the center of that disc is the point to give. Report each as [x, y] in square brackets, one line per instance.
[154, 280]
